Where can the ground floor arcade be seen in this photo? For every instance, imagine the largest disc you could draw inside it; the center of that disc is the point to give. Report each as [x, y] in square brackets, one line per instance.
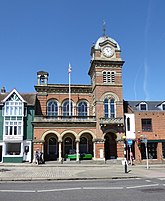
[56, 146]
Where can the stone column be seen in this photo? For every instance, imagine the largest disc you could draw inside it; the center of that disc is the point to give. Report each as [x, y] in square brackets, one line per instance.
[59, 151]
[94, 150]
[60, 110]
[42, 150]
[77, 150]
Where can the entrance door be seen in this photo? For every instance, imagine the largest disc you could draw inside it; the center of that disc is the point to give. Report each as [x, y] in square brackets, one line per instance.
[110, 146]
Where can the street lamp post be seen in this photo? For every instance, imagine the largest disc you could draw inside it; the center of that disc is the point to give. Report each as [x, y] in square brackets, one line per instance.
[125, 154]
[144, 140]
[130, 155]
[125, 146]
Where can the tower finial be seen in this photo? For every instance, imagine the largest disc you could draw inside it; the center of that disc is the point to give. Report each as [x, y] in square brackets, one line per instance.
[104, 28]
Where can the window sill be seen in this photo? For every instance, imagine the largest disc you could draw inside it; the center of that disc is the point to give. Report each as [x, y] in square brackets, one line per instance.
[12, 156]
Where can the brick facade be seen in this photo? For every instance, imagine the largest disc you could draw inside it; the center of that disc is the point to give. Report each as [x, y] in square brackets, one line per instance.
[100, 132]
[94, 122]
[149, 125]
[93, 134]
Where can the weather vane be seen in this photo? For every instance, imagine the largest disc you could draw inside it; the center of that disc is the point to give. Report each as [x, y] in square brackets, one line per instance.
[104, 28]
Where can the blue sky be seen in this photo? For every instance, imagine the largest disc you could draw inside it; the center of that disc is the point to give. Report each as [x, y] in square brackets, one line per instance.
[49, 34]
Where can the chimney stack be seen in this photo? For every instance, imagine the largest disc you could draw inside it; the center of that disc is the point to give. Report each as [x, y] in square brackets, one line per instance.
[3, 90]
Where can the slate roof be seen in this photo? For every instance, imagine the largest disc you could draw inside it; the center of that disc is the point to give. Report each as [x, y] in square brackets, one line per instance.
[151, 105]
[30, 98]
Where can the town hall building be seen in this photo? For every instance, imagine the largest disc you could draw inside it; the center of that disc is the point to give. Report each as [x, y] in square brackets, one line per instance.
[95, 126]
[82, 122]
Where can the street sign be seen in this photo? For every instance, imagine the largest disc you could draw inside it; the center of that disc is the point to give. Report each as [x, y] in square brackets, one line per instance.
[129, 142]
[144, 140]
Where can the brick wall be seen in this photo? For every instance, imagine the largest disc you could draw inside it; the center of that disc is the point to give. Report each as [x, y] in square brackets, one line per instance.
[158, 124]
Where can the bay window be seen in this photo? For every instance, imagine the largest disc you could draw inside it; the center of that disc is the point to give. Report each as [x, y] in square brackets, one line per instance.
[13, 127]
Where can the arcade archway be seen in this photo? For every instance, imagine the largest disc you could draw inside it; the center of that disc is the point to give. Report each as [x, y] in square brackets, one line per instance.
[110, 146]
[51, 147]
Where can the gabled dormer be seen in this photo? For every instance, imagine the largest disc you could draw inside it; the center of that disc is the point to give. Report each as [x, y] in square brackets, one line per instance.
[161, 106]
[13, 104]
[142, 106]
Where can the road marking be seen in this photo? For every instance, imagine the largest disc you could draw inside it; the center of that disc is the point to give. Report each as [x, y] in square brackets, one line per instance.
[148, 181]
[142, 186]
[162, 178]
[60, 189]
[79, 188]
[102, 188]
[18, 191]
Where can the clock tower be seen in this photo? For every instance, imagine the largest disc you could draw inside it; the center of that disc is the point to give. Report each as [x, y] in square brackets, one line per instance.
[106, 78]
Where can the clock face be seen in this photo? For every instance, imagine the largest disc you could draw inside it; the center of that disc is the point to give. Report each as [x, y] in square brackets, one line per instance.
[107, 51]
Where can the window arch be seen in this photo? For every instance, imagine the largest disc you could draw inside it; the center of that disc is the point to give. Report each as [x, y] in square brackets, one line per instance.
[65, 108]
[52, 108]
[109, 108]
[82, 109]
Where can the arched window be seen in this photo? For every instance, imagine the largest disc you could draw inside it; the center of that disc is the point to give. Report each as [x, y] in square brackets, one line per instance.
[65, 108]
[106, 112]
[82, 109]
[109, 108]
[52, 108]
[112, 108]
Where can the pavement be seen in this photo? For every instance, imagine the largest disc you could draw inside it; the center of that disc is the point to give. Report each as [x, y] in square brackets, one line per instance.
[77, 171]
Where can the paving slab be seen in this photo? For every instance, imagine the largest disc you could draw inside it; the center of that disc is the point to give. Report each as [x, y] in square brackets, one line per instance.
[73, 171]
